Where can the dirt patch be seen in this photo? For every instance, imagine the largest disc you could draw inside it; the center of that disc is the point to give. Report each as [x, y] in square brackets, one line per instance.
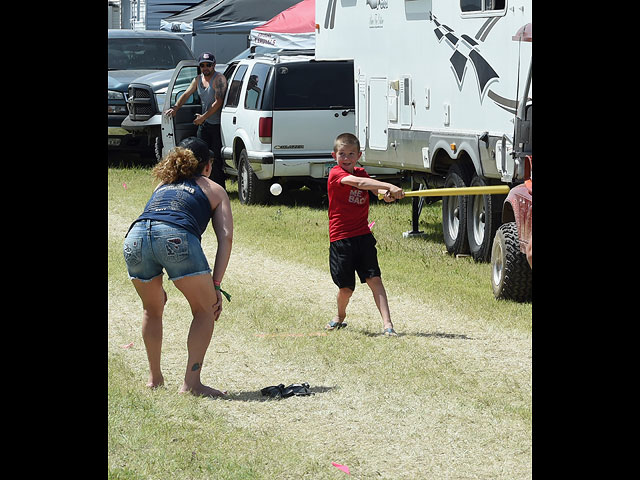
[466, 423]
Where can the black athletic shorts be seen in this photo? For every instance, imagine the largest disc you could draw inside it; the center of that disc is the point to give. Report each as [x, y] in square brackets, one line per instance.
[351, 255]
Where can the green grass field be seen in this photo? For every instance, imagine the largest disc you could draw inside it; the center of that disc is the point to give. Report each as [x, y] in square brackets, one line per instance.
[449, 398]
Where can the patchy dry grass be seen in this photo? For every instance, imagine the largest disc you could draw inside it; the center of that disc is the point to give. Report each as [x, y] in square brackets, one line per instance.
[449, 398]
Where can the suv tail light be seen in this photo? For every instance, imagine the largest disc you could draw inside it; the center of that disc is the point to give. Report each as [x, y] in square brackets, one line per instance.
[265, 126]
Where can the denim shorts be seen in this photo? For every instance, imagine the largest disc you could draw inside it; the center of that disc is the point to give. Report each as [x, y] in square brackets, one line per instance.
[151, 246]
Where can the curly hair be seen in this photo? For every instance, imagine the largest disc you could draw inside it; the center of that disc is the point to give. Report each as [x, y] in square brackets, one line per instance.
[180, 164]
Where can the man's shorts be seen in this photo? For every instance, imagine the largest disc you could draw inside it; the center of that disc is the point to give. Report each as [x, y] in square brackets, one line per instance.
[351, 255]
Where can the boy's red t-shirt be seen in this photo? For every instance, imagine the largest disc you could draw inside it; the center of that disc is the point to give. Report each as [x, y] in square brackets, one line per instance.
[348, 206]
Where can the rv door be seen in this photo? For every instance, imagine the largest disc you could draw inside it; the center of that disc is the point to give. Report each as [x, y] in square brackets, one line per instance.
[361, 108]
[378, 112]
[406, 101]
[175, 129]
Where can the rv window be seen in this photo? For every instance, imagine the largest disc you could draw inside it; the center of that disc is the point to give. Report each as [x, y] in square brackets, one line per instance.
[236, 86]
[477, 5]
[314, 86]
[470, 5]
[255, 86]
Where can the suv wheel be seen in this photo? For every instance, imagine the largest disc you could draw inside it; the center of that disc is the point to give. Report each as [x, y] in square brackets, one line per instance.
[511, 276]
[251, 190]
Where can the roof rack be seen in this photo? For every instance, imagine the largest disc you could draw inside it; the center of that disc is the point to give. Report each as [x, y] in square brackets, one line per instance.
[284, 53]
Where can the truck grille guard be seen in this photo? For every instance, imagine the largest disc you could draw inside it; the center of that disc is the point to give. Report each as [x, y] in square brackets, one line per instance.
[141, 103]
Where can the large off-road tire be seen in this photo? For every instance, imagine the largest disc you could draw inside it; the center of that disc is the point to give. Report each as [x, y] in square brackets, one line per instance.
[511, 276]
[454, 209]
[251, 190]
[484, 213]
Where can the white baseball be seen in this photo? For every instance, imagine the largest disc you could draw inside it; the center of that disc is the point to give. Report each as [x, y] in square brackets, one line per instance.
[276, 189]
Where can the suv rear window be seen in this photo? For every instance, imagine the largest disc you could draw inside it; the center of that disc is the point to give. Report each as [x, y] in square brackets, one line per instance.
[255, 86]
[236, 85]
[146, 53]
[314, 86]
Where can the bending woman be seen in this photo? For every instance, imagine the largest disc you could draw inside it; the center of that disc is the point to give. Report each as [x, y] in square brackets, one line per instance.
[167, 236]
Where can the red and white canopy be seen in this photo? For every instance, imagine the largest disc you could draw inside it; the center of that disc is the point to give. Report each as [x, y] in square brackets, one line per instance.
[293, 28]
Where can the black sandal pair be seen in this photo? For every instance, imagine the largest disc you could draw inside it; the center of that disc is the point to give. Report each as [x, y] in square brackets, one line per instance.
[280, 391]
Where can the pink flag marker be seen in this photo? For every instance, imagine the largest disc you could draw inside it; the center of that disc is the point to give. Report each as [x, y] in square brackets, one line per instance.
[124, 185]
[128, 345]
[344, 468]
[371, 225]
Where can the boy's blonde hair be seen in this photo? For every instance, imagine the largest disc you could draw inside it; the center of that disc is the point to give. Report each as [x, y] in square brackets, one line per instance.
[346, 139]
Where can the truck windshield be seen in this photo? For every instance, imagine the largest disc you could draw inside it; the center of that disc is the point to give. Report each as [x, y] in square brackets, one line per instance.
[314, 86]
[146, 53]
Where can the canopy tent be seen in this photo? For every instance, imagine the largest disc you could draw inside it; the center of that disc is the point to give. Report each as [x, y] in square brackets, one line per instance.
[293, 28]
[182, 22]
[155, 10]
[230, 15]
[222, 26]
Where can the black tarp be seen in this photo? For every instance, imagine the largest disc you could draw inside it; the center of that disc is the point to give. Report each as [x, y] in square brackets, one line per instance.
[183, 21]
[228, 15]
[245, 10]
[222, 27]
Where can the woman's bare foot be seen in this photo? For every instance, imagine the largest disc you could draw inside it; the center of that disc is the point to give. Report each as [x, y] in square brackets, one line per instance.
[202, 391]
[155, 382]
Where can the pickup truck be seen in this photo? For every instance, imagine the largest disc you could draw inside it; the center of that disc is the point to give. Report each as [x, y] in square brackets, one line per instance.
[133, 54]
[145, 101]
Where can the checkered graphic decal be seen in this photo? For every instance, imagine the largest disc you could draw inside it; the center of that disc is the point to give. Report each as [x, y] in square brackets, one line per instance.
[465, 51]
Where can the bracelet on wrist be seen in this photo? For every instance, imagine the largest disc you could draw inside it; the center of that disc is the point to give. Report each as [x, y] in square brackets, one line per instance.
[217, 287]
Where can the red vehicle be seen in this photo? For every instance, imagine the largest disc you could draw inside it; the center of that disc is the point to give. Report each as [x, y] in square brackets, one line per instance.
[511, 253]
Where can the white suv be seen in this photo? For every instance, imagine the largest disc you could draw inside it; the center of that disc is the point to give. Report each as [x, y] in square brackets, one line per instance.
[279, 120]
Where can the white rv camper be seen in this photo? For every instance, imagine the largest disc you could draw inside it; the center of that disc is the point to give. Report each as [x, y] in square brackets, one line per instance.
[437, 84]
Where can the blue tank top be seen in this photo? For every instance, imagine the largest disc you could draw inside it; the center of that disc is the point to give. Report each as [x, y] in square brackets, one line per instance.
[183, 204]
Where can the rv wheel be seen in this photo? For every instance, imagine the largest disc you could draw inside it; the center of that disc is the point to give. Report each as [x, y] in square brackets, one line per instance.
[251, 190]
[454, 211]
[483, 219]
[511, 276]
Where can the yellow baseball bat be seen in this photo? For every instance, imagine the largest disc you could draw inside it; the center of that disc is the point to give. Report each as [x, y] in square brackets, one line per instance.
[444, 192]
